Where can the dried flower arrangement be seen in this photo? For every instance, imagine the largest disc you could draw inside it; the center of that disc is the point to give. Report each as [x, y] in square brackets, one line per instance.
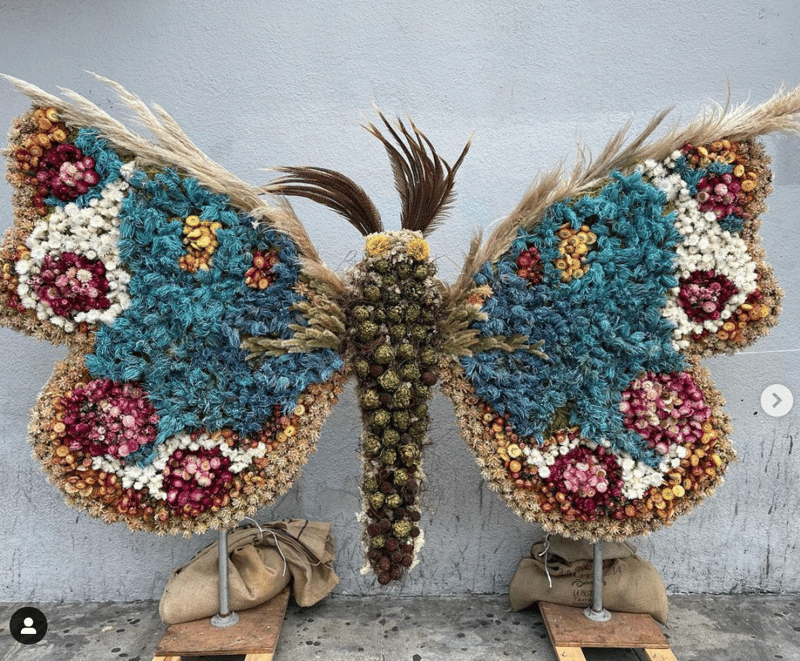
[208, 341]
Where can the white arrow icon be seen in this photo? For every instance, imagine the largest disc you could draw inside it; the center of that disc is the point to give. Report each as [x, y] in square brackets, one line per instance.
[776, 400]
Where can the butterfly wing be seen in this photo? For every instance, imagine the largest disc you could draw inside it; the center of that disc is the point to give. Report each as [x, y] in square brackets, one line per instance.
[581, 321]
[155, 266]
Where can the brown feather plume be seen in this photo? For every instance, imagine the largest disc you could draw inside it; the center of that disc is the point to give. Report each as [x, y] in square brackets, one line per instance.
[423, 179]
[332, 189]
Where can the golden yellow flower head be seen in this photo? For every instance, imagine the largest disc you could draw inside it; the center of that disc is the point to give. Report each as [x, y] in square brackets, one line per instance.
[418, 248]
[378, 244]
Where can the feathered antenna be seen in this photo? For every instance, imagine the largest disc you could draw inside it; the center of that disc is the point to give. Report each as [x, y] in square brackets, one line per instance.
[332, 189]
[423, 179]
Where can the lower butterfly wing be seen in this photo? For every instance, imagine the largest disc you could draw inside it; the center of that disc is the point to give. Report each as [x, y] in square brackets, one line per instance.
[159, 416]
[583, 318]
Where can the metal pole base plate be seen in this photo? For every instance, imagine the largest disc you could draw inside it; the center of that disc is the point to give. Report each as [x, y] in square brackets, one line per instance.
[597, 616]
[222, 621]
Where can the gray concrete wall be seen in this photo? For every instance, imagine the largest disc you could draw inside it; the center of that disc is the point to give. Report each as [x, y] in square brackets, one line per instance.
[260, 83]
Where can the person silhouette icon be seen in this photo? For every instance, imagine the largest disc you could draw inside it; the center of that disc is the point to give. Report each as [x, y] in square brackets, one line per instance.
[28, 629]
[28, 625]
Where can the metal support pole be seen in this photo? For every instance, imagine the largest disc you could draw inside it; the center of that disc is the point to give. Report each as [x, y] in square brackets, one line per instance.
[225, 617]
[597, 613]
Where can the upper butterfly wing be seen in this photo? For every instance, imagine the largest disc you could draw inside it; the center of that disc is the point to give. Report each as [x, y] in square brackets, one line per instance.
[154, 265]
[582, 320]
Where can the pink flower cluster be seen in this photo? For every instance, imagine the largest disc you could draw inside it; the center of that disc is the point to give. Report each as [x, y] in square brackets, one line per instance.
[590, 479]
[665, 409]
[703, 295]
[65, 172]
[529, 265]
[106, 417]
[195, 480]
[72, 283]
[722, 194]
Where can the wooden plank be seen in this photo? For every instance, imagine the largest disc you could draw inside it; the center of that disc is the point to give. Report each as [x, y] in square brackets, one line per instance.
[569, 627]
[659, 655]
[569, 654]
[256, 634]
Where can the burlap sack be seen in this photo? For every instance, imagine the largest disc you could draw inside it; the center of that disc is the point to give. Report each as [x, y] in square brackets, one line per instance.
[257, 570]
[630, 584]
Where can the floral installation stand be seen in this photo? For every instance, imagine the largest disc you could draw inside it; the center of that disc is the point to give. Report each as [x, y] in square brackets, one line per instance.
[255, 634]
[571, 629]
[208, 341]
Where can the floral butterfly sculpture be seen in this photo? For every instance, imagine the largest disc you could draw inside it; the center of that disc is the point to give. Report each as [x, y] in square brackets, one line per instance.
[208, 342]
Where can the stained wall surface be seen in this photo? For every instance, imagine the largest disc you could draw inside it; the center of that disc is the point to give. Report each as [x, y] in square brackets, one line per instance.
[260, 84]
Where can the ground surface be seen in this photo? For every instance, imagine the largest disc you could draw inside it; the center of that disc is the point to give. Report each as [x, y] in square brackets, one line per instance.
[701, 628]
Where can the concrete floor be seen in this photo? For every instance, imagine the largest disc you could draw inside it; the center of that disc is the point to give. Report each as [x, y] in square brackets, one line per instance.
[701, 628]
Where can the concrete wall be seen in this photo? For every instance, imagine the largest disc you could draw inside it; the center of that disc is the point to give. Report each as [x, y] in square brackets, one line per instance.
[258, 84]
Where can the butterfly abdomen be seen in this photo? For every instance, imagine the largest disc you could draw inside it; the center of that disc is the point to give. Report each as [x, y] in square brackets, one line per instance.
[393, 343]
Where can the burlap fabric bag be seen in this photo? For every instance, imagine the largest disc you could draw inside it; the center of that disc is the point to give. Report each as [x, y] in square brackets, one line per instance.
[261, 562]
[630, 584]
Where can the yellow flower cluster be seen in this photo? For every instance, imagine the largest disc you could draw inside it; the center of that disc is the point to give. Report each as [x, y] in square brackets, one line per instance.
[418, 249]
[378, 244]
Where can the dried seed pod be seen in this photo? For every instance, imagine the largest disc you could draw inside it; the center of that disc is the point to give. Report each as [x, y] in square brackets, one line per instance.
[371, 445]
[409, 372]
[405, 351]
[409, 454]
[391, 437]
[397, 331]
[400, 477]
[388, 457]
[395, 314]
[361, 313]
[429, 378]
[392, 296]
[377, 542]
[394, 500]
[402, 528]
[370, 399]
[403, 270]
[367, 331]
[401, 399]
[389, 380]
[421, 271]
[362, 368]
[371, 484]
[380, 418]
[412, 312]
[377, 500]
[401, 420]
[372, 293]
[427, 356]
[384, 354]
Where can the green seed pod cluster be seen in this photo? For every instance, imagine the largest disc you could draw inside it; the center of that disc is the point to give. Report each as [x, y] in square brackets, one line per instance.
[394, 344]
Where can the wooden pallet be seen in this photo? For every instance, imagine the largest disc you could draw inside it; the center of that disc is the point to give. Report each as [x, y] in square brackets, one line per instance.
[570, 630]
[255, 635]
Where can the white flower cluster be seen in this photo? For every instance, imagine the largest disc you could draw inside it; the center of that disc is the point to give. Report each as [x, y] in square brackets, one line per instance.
[91, 231]
[152, 475]
[638, 477]
[544, 457]
[706, 246]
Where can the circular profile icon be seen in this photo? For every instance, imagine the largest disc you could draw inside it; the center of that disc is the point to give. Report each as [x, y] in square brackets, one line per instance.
[28, 625]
